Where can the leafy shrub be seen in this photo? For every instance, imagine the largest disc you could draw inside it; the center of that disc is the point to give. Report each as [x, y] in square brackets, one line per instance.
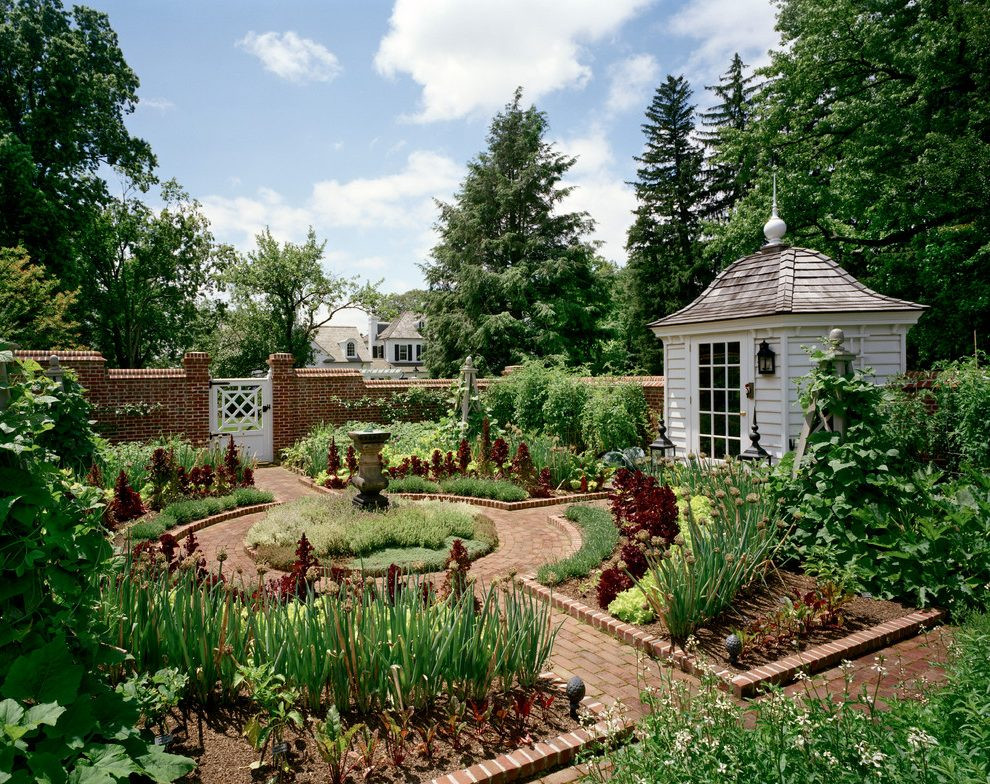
[413, 484]
[705, 737]
[614, 417]
[61, 719]
[599, 536]
[565, 401]
[494, 489]
[942, 419]
[182, 512]
[857, 505]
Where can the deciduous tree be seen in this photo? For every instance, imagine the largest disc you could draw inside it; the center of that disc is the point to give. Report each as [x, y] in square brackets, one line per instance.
[33, 312]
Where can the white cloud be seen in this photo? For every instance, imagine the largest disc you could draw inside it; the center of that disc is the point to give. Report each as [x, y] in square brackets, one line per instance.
[158, 104]
[401, 199]
[469, 56]
[291, 56]
[723, 27]
[630, 82]
[599, 191]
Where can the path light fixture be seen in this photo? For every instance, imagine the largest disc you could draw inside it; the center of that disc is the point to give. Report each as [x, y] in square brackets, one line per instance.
[575, 693]
[756, 452]
[658, 449]
[766, 360]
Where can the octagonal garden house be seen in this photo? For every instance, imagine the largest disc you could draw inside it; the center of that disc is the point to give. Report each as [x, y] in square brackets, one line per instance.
[773, 303]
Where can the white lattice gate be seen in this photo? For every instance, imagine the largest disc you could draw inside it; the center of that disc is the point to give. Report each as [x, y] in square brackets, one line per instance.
[242, 408]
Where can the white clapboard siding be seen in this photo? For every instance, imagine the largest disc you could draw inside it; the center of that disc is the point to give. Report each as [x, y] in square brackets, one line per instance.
[676, 393]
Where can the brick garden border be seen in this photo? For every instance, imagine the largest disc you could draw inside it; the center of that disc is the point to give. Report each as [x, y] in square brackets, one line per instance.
[505, 506]
[230, 514]
[744, 684]
[542, 756]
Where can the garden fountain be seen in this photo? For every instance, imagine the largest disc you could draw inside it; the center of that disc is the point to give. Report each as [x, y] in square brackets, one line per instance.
[370, 481]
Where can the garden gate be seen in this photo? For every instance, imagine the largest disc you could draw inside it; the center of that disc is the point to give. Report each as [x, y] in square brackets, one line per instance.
[242, 408]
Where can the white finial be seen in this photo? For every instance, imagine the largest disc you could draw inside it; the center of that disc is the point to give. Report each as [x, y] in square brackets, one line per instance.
[775, 228]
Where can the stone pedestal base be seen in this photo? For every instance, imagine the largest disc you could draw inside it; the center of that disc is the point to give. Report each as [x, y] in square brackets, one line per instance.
[371, 502]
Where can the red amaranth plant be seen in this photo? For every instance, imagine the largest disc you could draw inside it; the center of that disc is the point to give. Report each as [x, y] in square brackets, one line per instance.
[455, 582]
[126, 504]
[463, 456]
[499, 453]
[351, 460]
[333, 458]
[418, 467]
[584, 483]
[301, 579]
[522, 465]
[544, 485]
[449, 466]
[95, 476]
[161, 469]
[232, 463]
[436, 464]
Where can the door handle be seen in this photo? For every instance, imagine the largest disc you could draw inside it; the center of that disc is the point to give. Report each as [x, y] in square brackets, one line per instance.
[265, 408]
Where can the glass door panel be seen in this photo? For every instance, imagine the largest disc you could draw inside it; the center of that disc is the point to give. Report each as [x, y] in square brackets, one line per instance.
[719, 398]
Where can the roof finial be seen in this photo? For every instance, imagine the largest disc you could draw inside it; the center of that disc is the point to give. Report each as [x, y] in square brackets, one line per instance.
[775, 228]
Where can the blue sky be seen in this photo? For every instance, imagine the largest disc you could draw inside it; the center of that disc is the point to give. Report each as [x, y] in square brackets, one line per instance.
[353, 116]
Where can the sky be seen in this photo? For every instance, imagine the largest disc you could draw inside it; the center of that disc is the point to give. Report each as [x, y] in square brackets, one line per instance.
[353, 117]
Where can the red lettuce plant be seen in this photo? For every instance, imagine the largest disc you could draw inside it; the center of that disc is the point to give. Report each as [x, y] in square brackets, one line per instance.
[612, 582]
[522, 465]
[640, 503]
[544, 485]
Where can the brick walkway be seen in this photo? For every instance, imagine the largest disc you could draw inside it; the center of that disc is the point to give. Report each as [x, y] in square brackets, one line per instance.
[613, 672]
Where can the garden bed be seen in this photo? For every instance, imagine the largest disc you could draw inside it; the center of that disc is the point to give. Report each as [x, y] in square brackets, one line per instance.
[871, 625]
[213, 738]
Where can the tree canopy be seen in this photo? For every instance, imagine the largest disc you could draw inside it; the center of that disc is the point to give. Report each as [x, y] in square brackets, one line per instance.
[877, 118]
[64, 91]
[280, 296]
[513, 275]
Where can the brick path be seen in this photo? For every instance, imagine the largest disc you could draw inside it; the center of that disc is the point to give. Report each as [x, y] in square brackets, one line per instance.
[611, 670]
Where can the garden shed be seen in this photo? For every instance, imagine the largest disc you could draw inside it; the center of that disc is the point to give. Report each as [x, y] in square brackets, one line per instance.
[733, 355]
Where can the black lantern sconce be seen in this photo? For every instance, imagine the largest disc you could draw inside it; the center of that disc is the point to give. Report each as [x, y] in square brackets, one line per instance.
[658, 449]
[766, 360]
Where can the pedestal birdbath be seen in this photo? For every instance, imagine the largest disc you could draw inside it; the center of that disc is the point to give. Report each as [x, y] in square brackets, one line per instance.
[369, 480]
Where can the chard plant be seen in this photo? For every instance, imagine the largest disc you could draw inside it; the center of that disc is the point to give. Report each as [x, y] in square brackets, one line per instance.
[276, 712]
[336, 745]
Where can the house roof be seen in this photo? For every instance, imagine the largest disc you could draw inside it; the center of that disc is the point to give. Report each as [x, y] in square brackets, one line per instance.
[332, 341]
[402, 328]
[781, 279]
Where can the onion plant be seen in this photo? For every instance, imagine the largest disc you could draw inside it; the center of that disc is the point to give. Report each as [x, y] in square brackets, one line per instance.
[355, 647]
[712, 560]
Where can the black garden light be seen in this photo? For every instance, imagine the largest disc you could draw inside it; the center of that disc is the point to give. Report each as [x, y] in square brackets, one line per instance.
[658, 449]
[766, 360]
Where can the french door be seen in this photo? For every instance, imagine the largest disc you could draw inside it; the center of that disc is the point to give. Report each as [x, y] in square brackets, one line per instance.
[719, 398]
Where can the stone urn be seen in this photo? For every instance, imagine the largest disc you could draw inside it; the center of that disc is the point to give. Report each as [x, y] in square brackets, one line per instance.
[370, 481]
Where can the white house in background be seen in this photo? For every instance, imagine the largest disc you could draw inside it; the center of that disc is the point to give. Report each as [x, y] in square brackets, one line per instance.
[388, 349]
[340, 346]
[397, 344]
[780, 300]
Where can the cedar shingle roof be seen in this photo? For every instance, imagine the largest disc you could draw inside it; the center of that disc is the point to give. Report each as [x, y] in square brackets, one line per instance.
[402, 328]
[781, 279]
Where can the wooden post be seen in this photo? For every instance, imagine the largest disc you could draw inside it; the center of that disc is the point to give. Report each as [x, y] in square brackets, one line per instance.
[469, 387]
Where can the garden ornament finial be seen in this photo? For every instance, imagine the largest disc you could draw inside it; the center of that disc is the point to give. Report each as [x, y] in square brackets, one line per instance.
[775, 228]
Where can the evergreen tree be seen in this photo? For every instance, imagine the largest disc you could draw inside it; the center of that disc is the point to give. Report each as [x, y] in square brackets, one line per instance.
[666, 269]
[728, 175]
[512, 276]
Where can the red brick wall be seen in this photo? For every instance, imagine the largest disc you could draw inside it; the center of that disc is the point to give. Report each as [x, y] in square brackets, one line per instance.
[175, 401]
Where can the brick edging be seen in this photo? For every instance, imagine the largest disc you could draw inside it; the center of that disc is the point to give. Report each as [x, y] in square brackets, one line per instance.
[541, 756]
[748, 683]
[505, 506]
[230, 514]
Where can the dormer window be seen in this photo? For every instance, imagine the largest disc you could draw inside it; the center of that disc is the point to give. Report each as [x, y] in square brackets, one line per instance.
[351, 350]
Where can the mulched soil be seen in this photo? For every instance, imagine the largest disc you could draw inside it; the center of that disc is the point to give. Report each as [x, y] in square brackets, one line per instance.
[223, 755]
[757, 601]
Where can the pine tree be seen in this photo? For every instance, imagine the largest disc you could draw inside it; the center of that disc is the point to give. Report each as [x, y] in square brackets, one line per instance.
[512, 276]
[666, 269]
[728, 170]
